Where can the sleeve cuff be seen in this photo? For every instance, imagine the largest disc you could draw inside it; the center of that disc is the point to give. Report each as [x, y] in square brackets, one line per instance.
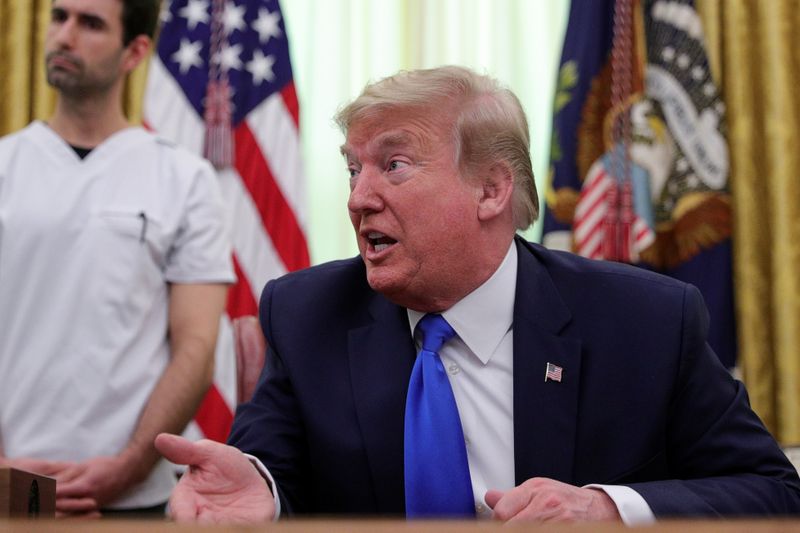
[632, 507]
[271, 482]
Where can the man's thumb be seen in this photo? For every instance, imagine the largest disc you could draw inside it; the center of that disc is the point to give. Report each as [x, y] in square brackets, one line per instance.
[177, 449]
[492, 497]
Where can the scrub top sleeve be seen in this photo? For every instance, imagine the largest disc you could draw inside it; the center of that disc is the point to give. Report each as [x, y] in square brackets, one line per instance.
[201, 252]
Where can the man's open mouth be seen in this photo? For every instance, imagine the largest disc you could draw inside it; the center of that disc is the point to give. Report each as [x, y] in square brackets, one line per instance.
[379, 242]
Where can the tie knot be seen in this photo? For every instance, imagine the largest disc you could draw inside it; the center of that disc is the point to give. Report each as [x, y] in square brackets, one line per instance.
[435, 332]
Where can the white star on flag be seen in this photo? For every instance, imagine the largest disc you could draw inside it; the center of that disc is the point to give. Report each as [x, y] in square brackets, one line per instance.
[233, 17]
[188, 55]
[267, 25]
[195, 12]
[165, 15]
[261, 67]
[229, 58]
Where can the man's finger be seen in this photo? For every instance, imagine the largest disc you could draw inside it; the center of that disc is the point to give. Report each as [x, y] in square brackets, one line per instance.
[492, 497]
[510, 503]
[72, 489]
[76, 505]
[39, 466]
[182, 507]
[179, 450]
[57, 469]
[70, 472]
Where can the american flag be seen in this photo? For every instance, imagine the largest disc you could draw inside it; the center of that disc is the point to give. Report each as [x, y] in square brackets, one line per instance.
[553, 372]
[591, 212]
[244, 43]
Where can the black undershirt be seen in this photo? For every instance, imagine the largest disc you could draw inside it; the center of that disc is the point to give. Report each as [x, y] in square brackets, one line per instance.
[82, 152]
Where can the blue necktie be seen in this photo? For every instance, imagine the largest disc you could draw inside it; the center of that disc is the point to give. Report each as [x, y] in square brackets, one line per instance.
[436, 469]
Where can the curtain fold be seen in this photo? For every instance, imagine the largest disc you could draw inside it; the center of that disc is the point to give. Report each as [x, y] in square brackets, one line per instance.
[753, 44]
[24, 94]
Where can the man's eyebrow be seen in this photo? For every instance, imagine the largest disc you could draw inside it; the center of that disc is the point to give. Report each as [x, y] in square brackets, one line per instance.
[93, 19]
[83, 17]
[384, 140]
[395, 138]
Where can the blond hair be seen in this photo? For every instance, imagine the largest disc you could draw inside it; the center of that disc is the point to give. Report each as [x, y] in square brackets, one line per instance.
[488, 122]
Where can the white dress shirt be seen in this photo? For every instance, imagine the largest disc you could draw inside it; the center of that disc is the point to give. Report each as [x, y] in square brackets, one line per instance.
[480, 365]
[479, 362]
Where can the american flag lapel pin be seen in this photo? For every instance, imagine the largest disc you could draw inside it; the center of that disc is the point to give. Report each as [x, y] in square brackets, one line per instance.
[553, 372]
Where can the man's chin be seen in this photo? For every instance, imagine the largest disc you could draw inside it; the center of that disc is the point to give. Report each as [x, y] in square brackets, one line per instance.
[62, 81]
[386, 282]
[381, 283]
[398, 290]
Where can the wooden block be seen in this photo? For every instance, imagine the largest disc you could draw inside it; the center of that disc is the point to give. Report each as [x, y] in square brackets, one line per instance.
[26, 495]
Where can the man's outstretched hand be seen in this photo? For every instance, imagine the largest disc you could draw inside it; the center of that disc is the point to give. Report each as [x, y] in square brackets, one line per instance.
[219, 486]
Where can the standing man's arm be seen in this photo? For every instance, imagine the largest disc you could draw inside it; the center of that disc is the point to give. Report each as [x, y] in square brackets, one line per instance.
[194, 314]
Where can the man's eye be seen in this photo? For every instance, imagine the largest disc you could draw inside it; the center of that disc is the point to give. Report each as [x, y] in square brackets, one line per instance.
[395, 164]
[353, 172]
[93, 23]
[58, 15]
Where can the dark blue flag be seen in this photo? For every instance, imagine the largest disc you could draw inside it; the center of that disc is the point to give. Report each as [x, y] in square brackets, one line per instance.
[675, 149]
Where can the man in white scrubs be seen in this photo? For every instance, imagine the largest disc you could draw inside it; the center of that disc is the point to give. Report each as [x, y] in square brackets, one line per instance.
[114, 266]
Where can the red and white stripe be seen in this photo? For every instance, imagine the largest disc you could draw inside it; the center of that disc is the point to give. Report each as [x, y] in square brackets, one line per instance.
[265, 199]
[589, 231]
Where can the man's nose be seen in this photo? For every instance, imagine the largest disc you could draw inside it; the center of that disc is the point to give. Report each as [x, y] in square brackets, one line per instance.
[64, 33]
[366, 192]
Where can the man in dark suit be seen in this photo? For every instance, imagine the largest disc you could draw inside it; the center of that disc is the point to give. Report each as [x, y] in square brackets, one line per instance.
[584, 390]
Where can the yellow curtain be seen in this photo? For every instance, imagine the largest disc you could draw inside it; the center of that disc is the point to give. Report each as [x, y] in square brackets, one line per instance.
[24, 93]
[753, 47]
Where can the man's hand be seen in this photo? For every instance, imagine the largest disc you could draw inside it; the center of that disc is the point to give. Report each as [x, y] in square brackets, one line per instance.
[76, 504]
[100, 480]
[220, 485]
[546, 500]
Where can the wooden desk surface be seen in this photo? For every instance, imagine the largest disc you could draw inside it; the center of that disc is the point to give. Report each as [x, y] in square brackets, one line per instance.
[381, 526]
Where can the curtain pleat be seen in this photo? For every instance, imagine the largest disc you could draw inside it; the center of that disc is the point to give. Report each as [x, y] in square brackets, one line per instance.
[753, 45]
[24, 95]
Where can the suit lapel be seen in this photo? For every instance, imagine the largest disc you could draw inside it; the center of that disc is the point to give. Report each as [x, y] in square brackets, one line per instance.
[545, 413]
[381, 355]
[381, 358]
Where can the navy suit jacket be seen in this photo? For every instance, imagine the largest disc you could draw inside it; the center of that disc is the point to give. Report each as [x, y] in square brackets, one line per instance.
[643, 400]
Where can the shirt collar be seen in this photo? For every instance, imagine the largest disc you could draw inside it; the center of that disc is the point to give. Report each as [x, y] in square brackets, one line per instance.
[483, 317]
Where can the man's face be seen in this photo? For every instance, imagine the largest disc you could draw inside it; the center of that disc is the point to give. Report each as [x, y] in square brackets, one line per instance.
[83, 47]
[413, 214]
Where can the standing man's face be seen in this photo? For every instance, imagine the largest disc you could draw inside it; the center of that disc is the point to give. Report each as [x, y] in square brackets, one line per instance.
[83, 47]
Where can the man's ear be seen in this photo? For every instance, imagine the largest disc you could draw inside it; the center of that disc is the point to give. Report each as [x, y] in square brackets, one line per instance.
[135, 52]
[497, 187]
